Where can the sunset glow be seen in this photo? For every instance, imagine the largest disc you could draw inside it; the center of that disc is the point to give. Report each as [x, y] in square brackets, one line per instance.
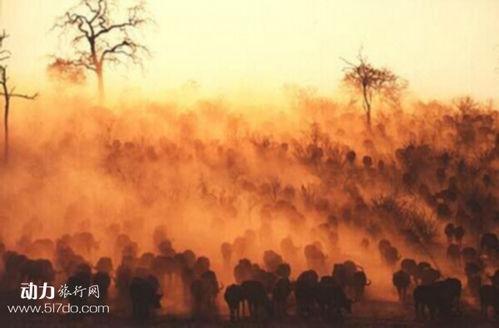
[444, 48]
[249, 163]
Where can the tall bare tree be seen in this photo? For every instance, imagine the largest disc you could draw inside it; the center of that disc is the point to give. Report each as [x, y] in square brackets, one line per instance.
[98, 37]
[7, 93]
[370, 82]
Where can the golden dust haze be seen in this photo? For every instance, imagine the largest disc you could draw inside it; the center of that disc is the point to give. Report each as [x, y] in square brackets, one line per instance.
[239, 122]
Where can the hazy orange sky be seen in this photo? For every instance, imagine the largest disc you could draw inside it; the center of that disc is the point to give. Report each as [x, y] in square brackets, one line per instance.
[445, 48]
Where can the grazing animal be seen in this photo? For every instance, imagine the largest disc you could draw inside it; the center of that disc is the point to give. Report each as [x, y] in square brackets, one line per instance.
[454, 254]
[204, 292]
[383, 245]
[449, 232]
[316, 259]
[469, 254]
[234, 298]
[103, 280]
[440, 297]
[145, 296]
[401, 280]
[283, 270]
[358, 283]
[411, 267]
[280, 294]
[243, 271]
[104, 264]
[226, 249]
[340, 275]
[331, 298]
[489, 297]
[489, 243]
[256, 296]
[459, 233]
[391, 256]
[272, 260]
[429, 276]
[39, 271]
[305, 288]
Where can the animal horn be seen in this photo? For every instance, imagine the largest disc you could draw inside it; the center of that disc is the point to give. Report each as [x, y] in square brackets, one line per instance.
[221, 286]
[368, 282]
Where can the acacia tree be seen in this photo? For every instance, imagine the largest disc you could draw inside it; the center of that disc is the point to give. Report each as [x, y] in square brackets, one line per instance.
[98, 37]
[7, 93]
[370, 82]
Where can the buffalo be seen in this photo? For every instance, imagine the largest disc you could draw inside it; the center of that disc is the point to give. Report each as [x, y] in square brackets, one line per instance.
[401, 280]
[256, 296]
[234, 298]
[145, 296]
[489, 297]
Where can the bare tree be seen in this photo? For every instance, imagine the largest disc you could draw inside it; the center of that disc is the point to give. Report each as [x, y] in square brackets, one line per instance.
[7, 94]
[370, 82]
[98, 37]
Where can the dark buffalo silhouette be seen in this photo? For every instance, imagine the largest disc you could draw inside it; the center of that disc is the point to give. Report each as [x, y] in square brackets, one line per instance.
[429, 276]
[39, 271]
[454, 254]
[358, 283]
[280, 294]
[234, 298]
[411, 267]
[243, 271]
[255, 295]
[489, 297]
[331, 298]
[271, 260]
[226, 249]
[440, 298]
[391, 256]
[145, 296]
[316, 259]
[449, 232]
[104, 264]
[204, 291]
[283, 270]
[459, 233]
[103, 280]
[401, 280]
[305, 288]
[469, 254]
[489, 243]
[340, 275]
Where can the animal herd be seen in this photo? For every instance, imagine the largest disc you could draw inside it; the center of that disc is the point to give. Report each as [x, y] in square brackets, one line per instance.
[259, 292]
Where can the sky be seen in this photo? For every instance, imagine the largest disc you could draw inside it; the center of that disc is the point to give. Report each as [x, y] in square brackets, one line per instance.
[444, 48]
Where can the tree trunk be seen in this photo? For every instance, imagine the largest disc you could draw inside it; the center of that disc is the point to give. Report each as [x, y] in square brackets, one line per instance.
[367, 108]
[368, 117]
[6, 97]
[6, 128]
[100, 85]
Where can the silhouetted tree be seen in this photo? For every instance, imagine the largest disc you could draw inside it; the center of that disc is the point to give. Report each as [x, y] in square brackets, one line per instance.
[370, 81]
[98, 37]
[7, 93]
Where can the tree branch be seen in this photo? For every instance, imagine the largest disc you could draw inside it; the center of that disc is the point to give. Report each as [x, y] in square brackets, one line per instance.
[108, 40]
[17, 95]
